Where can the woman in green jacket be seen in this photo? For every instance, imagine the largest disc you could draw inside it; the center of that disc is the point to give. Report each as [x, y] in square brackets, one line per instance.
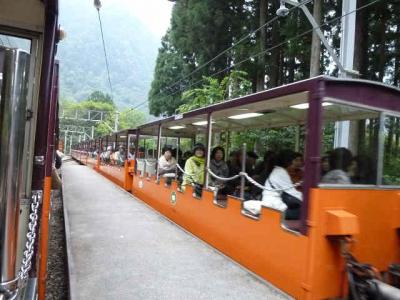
[194, 168]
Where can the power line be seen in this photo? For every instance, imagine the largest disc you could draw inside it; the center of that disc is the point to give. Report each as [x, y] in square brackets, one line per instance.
[105, 51]
[242, 39]
[269, 49]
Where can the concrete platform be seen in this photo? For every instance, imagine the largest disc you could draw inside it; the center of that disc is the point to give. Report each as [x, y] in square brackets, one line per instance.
[119, 248]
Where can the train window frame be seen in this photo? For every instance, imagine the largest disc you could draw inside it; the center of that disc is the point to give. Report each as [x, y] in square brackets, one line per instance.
[36, 47]
[383, 113]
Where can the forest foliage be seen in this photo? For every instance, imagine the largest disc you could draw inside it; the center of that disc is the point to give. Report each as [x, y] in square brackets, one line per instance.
[205, 44]
[208, 44]
[74, 114]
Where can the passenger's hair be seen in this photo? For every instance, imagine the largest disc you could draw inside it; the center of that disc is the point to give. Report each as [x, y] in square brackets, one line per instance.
[215, 150]
[340, 158]
[269, 162]
[267, 155]
[199, 146]
[285, 158]
[297, 154]
[165, 149]
[252, 154]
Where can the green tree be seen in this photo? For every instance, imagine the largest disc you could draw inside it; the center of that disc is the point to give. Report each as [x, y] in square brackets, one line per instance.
[101, 97]
[164, 96]
[214, 91]
[130, 118]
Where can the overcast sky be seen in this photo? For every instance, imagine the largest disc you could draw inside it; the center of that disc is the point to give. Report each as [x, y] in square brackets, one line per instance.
[155, 14]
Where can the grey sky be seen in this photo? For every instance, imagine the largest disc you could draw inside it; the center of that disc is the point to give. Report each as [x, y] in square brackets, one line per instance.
[155, 14]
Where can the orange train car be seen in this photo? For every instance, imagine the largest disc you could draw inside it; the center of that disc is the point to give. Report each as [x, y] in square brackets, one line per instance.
[308, 257]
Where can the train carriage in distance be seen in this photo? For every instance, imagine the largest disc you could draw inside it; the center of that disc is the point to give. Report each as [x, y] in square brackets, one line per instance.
[305, 257]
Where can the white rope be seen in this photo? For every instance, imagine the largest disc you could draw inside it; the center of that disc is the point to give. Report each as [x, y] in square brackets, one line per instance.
[183, 171]
[260, 186]
[222, 178]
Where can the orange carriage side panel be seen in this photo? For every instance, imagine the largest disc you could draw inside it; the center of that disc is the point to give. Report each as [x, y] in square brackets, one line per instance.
[262, 246]
[129, 166]
[91, 162]
[377, 242]
[114, 173]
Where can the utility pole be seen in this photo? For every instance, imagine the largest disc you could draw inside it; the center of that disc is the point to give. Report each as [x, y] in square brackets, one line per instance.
[343, 129]
[315, 60]
[116, 122]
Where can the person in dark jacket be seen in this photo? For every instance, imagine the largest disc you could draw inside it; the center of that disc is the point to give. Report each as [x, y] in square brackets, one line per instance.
[218, 166]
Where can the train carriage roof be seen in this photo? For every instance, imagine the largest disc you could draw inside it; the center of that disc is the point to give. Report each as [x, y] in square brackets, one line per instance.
[274, 106]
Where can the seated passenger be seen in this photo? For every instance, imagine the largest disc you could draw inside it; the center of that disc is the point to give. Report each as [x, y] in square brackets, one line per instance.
[183, 158]
[261, 173]
[194, 169]
[219, 167]
[119, 156]
[251, 159]
[324, 165]
[362, 170]
[295, 169]
[235, 168]
[131, 153]
[166, 162]
[280, 193]
[339, 161]
[106, 156]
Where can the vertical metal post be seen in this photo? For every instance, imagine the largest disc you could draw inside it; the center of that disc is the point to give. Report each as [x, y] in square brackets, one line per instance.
[92, 132]
[227, 143]
[381, 149]
[65, 141]
[70, 144]
[178, 147]
[208, 148]
[158, 148]
[242, 179]
[297, 142]
[13, 100]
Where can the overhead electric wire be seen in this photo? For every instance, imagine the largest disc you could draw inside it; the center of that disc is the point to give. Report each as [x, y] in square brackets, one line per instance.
[242, 39]
[269, 49]
[105, 53]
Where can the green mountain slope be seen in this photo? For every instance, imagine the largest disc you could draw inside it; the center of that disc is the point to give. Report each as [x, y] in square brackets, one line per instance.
[132, 50]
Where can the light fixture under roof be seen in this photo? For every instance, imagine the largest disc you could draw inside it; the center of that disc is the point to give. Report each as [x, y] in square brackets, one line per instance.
[245, 116]
[176, 127]
[305, 105]
[202, 123]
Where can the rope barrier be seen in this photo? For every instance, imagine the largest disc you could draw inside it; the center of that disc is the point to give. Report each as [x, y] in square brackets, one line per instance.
[248, 178]
[222, 178]
[260, 186]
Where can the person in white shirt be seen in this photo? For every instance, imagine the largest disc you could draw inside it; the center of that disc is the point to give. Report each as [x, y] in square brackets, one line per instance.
[166, 162]
[277, 181]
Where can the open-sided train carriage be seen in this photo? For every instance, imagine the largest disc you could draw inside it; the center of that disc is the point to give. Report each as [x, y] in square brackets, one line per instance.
[303, 257]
